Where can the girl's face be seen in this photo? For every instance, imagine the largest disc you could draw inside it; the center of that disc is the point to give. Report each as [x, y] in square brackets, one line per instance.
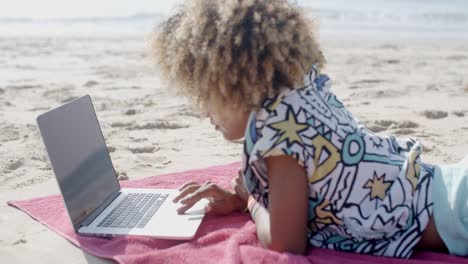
[232, 125]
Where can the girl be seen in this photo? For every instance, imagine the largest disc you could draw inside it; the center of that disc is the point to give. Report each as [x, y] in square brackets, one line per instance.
[312, 173]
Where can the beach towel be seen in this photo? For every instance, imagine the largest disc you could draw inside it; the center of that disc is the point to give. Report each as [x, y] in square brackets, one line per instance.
[220, 239]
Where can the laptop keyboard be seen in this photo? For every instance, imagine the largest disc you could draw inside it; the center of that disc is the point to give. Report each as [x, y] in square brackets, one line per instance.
[135, 210]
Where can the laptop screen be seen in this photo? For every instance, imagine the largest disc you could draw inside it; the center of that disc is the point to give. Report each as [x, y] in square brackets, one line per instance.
[79, 157]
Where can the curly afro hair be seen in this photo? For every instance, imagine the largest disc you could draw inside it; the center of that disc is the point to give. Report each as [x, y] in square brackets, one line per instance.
[233, 54]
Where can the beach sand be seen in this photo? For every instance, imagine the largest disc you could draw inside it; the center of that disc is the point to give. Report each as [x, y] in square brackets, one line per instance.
[405, 88]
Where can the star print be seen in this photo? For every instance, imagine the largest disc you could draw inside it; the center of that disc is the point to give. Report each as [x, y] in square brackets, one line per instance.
[378, 186]
[289, 129]
[379, 144]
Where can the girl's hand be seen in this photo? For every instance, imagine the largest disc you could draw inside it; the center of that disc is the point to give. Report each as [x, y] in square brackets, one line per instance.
[239, 187]
[221, 200]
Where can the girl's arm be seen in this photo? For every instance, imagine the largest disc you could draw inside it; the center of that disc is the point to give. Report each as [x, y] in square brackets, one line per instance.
[283, 227]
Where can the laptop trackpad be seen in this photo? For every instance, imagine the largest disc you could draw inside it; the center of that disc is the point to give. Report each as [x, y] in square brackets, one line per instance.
[198, 208]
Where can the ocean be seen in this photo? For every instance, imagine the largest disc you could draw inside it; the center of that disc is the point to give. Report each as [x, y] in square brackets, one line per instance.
[432, 19]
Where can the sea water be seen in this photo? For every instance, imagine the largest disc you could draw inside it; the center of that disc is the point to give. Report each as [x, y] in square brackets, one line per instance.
[432, 19]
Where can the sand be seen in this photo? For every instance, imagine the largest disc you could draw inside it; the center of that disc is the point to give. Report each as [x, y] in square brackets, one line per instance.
[405, 88]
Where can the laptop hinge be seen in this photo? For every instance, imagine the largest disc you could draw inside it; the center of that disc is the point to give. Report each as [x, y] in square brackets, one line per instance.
[88, 220]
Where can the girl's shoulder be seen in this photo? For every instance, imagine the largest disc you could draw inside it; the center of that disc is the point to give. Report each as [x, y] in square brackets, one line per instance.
[314, 84]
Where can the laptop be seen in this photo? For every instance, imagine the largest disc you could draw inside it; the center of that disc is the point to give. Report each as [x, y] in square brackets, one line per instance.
[96, 204]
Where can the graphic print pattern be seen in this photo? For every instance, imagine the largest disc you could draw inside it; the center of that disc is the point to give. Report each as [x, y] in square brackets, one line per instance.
[368, 193]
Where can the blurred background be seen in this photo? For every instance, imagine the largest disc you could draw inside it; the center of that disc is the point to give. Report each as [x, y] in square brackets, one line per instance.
[429, 19]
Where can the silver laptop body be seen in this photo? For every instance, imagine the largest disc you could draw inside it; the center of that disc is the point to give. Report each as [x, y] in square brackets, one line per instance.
[95, 202]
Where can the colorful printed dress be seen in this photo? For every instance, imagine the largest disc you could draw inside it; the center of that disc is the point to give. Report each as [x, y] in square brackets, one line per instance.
[368, 193]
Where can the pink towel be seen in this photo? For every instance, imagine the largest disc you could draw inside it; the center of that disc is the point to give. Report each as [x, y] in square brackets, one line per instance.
[229, 239]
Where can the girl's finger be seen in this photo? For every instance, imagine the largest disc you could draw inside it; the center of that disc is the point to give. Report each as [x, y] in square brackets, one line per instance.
[193, 198]
[186, 185]
[233, 183]
[209, 207]
[184, 208]
[189, 185]
[239, 180]
[186, 191]
[207, 190]
[237, 189]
